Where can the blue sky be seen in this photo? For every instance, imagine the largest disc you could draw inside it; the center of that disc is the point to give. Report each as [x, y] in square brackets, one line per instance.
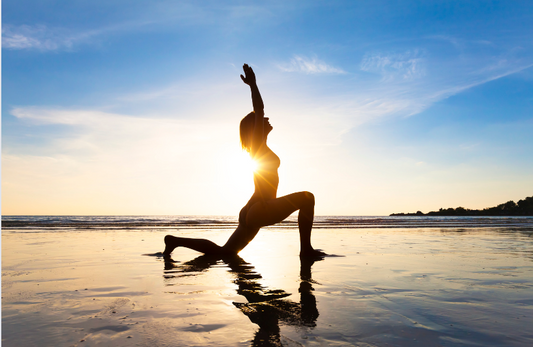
[119, 107]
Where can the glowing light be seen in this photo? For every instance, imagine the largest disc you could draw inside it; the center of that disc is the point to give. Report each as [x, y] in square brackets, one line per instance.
[234, 177]
[241, 162]
[252, 164]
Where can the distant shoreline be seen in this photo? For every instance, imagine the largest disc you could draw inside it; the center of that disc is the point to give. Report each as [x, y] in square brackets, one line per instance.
[510, 208]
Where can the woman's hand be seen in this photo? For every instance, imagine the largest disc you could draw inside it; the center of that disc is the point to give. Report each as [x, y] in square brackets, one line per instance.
[250, 75]
[257, 101]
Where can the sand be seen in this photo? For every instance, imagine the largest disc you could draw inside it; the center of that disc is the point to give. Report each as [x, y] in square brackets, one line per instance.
[391, 287]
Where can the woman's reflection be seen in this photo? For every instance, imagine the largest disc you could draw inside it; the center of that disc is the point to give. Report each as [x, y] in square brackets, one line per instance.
[267, 308]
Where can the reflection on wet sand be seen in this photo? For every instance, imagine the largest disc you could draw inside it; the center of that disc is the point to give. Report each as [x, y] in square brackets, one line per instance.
[267, 308]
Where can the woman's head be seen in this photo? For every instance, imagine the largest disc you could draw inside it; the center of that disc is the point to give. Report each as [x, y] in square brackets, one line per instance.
[247, 129]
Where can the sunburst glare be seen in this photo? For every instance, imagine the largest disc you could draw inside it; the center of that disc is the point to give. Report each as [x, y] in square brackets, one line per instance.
[251, 165]
[235, 169]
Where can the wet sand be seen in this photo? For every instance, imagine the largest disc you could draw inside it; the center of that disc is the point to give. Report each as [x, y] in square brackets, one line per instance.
[392, 287]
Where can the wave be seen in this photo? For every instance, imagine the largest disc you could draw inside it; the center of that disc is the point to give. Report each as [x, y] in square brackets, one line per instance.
[227, 222]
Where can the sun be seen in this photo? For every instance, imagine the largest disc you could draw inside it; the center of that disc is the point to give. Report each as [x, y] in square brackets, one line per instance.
[236, 170]
[243, 163]
[251, 164]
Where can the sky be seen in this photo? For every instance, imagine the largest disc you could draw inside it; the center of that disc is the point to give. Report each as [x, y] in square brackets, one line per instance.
[132, 107]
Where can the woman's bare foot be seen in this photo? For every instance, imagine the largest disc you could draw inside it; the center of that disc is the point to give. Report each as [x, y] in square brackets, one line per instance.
[312, 253]
[170, 244]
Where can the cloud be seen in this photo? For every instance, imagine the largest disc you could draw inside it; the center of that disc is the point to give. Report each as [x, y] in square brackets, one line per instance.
[43, 38]
[408, 65]
[20, 40]
[461, 43]
[444, 93]
[55, 116]
[121, 163]
[101, 129]
[309, 66]
[96, 134]
[159, 16]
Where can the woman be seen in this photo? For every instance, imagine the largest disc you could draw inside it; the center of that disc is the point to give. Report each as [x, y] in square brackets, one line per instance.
[264, 208]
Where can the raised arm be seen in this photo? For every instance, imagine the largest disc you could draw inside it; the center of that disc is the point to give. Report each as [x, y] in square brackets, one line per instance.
[249, 79]
[257, 101]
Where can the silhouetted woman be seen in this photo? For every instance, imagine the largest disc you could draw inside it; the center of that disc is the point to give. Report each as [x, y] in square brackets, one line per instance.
[263, 208]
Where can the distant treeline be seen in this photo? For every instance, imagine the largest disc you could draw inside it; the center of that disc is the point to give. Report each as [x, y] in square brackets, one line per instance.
[510, 208]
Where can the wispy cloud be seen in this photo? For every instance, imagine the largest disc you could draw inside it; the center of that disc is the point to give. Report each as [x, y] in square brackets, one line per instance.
[408, 65]
[461, 43]
[309, 66]
[110, 126]
[50, 38]
[162, 15]
[43, 38]
[447, 92]
[128, 155]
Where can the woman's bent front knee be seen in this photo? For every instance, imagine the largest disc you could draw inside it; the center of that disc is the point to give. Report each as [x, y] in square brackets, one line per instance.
[310, 198]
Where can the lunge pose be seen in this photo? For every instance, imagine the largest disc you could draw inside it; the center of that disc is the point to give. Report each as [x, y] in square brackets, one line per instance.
[264, 207]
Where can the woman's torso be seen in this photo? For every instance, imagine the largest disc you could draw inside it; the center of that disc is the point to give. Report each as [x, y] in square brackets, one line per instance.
[265, 180]
[266, 177]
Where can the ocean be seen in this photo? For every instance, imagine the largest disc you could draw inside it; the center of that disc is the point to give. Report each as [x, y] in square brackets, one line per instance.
[34, 223]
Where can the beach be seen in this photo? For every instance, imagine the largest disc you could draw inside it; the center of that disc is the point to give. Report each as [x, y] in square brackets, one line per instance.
[406, 285]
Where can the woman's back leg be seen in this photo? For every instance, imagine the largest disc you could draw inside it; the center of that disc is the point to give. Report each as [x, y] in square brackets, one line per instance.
[199, 245]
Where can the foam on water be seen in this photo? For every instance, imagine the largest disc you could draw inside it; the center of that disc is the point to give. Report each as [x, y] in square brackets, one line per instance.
[64, 223]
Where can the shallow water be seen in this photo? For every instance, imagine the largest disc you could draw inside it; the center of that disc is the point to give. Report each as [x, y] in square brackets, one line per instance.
[391, 287]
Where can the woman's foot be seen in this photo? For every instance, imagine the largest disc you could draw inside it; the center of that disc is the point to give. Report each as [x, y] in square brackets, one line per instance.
[170, 244]
[312, 253]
